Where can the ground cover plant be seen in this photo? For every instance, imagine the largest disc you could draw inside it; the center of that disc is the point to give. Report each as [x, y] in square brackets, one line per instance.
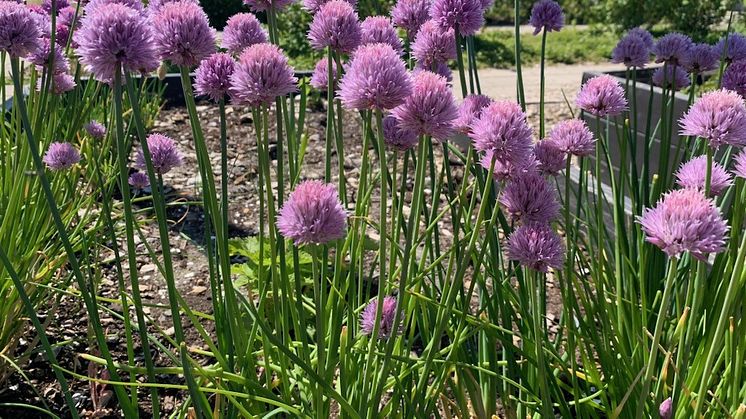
[410, 276]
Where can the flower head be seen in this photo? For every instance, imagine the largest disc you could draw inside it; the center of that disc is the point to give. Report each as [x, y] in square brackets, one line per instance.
[94, 5]
[739, 164]
[320, 76]
[313, 6]
[693, 173]
[701, 58]
[182, 34]
[241, 31]
[95, 129]
[335, 25]
[378, 29]
[530, 198]
[312, 214]
[665, 410]
[631, 51]
[537, 247]
[684, 220]
[60, 83]
[397, 137]
[552, 160]
[376, 78]
[139, 180]
[163, 154]
[470, 110]
[261, 74]
[671, 77]
[410, 15]
[60, 4]
[440, 69]
[57, 63]
[154, 6]
[386, 327]
[115, 35]
[433, 45]
[734, 77]
[466, 16]
[643, 34]
[572, 136]
[61, 156]
[502, 130]
[602, 96]
[212, 78]
[264, 5]
[734, 49]
[719, 117]
[19, 33]
[430, 109]
[506, 170]
[672, 48]
[546, 14]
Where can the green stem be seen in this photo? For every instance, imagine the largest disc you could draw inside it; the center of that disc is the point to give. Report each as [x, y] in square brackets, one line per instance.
[541, 94]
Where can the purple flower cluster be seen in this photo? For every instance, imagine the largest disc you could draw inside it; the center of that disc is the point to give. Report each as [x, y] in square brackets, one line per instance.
[376, 78]
[693, 174]
[530, 198]
[19, 33]
[507, 170]
[739, 164]
[546, 15]
[550, 157]
[312, 214]
[464, 16]
[378, 29]
[154, 6]
[430, 109]
[672, 48]
[182, 33]
[261, 74]
[719, 117]
[163, 153]
[602, 96]
[701, 58]
[96, 130]
[503, 131]
[684, 220]
[139, 180]
[242, 31]
[61, 156]
[633, 50]
[573, 137]
[537, 247]
[212, 78]
[469, 111]
[397, 137]
[336, 26]
[320, 76]
[671, 77]
[734, 77]
[265, 5]
[410, 15]
[386, 326]
[433, 45]
[732, 47]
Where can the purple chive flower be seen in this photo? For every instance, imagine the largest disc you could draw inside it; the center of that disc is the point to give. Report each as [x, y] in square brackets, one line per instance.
[701, 58]
[506, 170]
[735, 50]
[536, 247]
[261, 74]
[313, 6]
[552, 160]
[241, 31]
[19, 33]
[378, 29]
[684, 220]
[719, 117]
[264, 5]
[410, 15]
[94, 5]
[470, 110]
[312, 214]
[320, 76]
[69, 16]
[61, 83]
[41, 57]
[433, 45]
[546, 15]
[502, 130]
[96, 130]
[61, 156]
[335, 25]
[631, 51]
[430, 109]
[665, 410]
[643, 34]
[602, 96]
[397, 137]
[376, 78]
[739, 164]
[386, 327]
[573, 137]
[212, 78]
[672, 48]
[163, 153]
[673, 77]
[466, 16]
[61, 4]
[530, 198]
[139, 180]
[692, 174]
[63, 35]
[734, 77]
[154, 6]
[182, 34]
[440, 69]
[115, 35]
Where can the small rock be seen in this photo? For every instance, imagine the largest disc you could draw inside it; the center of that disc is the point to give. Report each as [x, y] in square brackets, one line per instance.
[198, 290]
